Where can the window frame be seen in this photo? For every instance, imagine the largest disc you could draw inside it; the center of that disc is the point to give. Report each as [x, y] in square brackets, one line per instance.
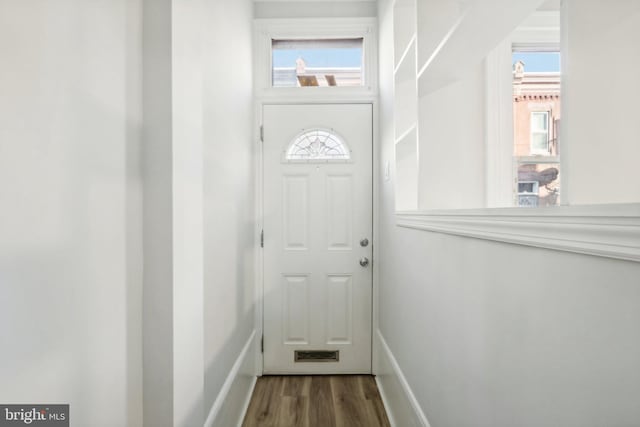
[541, 35]
[532, 149]
[266, 30]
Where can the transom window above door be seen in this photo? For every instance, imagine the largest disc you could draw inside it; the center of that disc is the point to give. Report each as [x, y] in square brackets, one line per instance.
[317, 62]
[316, 59]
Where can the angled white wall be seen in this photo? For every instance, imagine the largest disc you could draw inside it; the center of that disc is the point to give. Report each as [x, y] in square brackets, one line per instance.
[229, 181]
[158, 214]
[70, 208]
[199, 233]
[188, 25]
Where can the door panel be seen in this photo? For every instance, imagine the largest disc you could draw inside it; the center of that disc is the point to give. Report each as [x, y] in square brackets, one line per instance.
[296, 212]
[339, 212]
[317, 296]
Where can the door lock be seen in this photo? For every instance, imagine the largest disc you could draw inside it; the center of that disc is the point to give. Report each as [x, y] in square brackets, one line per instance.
[364, 242]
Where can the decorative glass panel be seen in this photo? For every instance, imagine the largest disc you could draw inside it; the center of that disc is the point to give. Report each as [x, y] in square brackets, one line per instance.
[318, 144]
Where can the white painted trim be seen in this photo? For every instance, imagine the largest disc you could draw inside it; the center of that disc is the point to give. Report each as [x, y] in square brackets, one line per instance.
[228, 417]
[264, 30]
[247, 401]
[405, 53]
[499, 176]
[375, 187]
[564, 148]
[401, 405]
[540, 30]
[611, 230]
[404, 134]
[259, 261]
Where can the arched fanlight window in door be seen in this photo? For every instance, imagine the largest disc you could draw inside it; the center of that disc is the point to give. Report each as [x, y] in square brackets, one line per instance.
[318, 145]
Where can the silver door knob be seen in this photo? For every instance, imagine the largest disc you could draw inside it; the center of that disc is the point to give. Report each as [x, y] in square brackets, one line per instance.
[364, 261]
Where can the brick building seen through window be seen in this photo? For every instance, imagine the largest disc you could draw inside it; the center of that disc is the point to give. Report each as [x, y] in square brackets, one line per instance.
[536, 120]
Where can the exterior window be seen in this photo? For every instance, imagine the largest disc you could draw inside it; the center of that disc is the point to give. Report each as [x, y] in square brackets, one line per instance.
[540, 133]
[325, 62]
[538, 182]
[536, 117]
[318, 145]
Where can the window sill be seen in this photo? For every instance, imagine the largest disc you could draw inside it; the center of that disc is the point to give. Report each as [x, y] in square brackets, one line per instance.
[610, 230]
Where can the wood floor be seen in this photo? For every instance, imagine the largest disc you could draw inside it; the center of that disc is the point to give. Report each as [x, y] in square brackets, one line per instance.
[316, 401]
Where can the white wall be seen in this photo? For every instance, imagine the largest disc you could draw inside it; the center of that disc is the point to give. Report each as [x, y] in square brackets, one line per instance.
[314, 9]
[500, 335]
[601, 88]
[158, 214]
[76, 80]
[229, 181]
[451, 144]
[70, 207]
[188, 25]
[199, 215]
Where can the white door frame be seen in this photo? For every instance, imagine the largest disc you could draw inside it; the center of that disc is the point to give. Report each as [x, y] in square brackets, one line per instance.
[259, 198]
[264, 31]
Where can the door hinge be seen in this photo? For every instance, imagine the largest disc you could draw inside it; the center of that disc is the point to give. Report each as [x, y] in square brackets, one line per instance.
[262, 133]
[262, 344]
[262, 238]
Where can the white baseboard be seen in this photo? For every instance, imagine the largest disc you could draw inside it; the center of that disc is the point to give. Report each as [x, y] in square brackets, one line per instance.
[401, 405]
[233, 400]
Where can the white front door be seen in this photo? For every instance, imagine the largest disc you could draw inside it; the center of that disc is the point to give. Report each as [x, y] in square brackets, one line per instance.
[317, 238]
